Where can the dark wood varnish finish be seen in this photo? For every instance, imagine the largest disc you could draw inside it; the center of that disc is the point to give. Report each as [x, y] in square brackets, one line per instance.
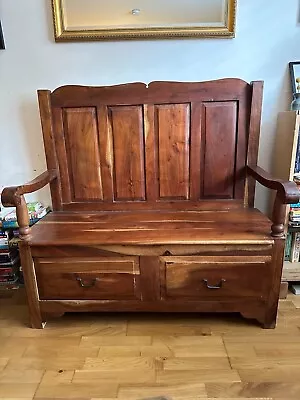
[219, 148]
[153, 190]
[160, 227]
[126, 125]
[215, 277]
[82, 147]
[172, 123]
[88, 278]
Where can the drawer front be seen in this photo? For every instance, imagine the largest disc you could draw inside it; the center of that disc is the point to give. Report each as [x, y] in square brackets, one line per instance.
[88, 278]
[215, 277]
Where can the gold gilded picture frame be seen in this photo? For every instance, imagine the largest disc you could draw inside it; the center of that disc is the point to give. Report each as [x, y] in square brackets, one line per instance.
[63, 32]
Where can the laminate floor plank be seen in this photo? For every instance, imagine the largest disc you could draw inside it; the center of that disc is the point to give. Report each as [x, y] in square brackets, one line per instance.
[139, 356]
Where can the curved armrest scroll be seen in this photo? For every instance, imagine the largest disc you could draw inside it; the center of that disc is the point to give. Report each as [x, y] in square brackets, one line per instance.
[287, 193]
[287, 190]
[14, 197]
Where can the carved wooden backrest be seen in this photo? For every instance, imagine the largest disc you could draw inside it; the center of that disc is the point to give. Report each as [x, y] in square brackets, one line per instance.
[157, 146]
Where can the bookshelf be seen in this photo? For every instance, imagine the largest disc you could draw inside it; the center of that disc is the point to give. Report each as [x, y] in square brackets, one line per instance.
[284, 167]
[11, 276]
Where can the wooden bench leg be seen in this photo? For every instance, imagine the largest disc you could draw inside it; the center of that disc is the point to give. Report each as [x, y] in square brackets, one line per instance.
[269, 325]
[36, 321]
[269, 320]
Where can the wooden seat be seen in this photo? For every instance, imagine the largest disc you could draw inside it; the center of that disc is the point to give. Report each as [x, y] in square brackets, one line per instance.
[153, 227]
[152, 190]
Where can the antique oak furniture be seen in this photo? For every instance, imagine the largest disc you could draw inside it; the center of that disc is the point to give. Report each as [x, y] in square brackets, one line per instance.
[153, 203]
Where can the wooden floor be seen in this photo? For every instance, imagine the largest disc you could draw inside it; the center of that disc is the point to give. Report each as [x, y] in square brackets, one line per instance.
[101, 356]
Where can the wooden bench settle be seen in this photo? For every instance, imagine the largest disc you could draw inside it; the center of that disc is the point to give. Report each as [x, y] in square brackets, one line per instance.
[153, 191]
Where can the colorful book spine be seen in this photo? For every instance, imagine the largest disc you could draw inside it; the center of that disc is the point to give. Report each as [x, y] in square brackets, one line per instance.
[295, 205]
[288, 245]
[295, 249]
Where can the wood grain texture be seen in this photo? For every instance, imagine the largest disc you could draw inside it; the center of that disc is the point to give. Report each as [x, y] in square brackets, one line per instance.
[106, 153]
[150, 136]
[14, 197]
[196, 154]
[31, 286]
[153, 228]
[44, 97]
[254, 133]
[126, 356]
[61, 154]
[151, 188]
[219, 151]
[154, 92]
[219, 278]
[286, 193]
[128, 152]
[82, 146]
[150, 279]
[88, 278]
[173, 134]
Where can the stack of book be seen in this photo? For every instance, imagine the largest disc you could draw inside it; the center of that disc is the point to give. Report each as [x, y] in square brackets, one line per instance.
[36, 211]
[292, 243]
[294, 215]
[9, 261]
[10, 269]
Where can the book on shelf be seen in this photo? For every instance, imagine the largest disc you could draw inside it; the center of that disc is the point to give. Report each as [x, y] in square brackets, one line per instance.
[295, 247]
[288, 245]
[294, 219]
[11, 262]
[9, 271]
[295, 206]
[297, 159]
[293, 224]
[8, 256]
[11, 280]
[36, 211]
[295, 213]
[3, 244]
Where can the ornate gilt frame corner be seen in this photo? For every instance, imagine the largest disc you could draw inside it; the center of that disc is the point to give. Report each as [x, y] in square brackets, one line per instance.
[63, 35]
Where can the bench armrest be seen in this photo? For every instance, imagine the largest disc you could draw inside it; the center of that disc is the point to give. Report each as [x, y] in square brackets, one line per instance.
[287, 193]
[14, 197]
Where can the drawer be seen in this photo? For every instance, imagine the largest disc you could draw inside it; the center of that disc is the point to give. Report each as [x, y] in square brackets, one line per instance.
[215, 277]
[88, 278]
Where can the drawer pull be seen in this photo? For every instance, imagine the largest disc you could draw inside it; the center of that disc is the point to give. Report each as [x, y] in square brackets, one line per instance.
[85, 284]
[218, 286]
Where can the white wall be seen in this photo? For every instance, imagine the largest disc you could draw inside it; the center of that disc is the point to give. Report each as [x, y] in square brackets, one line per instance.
[268, 37]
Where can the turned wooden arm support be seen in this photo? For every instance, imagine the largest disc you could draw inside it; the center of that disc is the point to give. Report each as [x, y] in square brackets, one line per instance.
[287, 193]
[14, 197]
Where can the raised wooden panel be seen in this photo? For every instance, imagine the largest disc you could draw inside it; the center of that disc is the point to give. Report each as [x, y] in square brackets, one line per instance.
[219, 149]
[126, 124]
[195, 154]
[154, 144]
[61, 153]
[151, 156]
[173, 131]
[82, 144]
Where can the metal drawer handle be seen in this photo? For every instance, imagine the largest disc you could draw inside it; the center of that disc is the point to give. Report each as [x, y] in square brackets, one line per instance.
[82, 283]
[218, 286]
